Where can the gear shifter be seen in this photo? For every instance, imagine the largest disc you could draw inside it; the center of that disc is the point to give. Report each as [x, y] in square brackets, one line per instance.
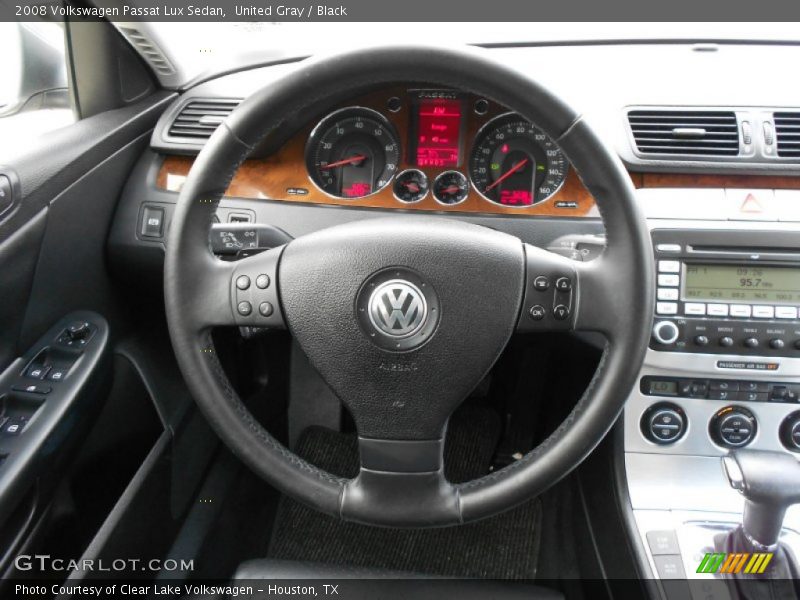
[770, 483]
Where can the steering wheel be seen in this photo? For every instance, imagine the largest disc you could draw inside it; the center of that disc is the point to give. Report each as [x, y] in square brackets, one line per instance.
[403, 316]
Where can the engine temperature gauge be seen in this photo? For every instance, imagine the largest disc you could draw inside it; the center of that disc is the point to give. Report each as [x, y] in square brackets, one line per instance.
[410, 186]
[451, 187]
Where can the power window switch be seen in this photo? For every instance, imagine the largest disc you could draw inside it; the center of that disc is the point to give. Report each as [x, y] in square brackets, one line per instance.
[56, 374]
[37, 372]
[32, 389]
[14, 426]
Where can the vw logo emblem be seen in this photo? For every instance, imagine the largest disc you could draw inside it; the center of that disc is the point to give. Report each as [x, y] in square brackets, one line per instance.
[398, 308]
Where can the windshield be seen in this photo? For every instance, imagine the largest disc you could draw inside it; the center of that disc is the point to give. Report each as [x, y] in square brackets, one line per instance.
[203, 49]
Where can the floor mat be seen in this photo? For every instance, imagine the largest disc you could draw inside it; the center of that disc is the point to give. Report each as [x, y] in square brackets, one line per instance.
[504, 547]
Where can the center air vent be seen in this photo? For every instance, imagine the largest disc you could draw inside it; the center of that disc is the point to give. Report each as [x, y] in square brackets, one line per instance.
[787, 132]
[199, 118]
[685, 132]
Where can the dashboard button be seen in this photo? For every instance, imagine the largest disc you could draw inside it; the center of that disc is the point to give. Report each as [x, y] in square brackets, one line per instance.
[764, 312]
[667, 280]
[777, 344]
[785, 312]
[740, 310]
[669, 266]
[663, 542]
[717, 310]
[667, 293]
[668, 247]
[701, 340]
[753, 396]
[667, 308]
[694, 308]
[753, 386]
[730, 386]
[726, 341]
[723, 395]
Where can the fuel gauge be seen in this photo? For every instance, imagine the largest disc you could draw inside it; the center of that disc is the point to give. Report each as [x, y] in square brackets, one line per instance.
[410, 186]
[451, 187]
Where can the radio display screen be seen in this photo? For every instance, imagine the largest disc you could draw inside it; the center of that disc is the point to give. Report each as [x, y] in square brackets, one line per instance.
[737, 283]
[438, 132]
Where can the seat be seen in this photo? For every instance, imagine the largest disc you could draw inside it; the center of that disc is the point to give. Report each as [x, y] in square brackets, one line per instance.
[360, 582]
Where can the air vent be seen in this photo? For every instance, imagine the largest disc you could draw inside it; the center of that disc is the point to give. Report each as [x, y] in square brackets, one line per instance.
[149, 50]
[200, 118]
[688, 133]
[787, 132]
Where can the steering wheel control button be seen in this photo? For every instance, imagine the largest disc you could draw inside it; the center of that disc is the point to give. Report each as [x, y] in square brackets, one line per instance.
[666, 333]
[537, 312]
[733, 427]
[37, 372]
[563, 284]
[663, 423]
[541, 284]
[242, 282]
[561, 312]
[244, 308]
[265, 309]
[397, 309]
[262, 281]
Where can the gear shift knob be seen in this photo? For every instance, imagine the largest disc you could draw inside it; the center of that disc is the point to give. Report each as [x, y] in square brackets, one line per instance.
[770, 483]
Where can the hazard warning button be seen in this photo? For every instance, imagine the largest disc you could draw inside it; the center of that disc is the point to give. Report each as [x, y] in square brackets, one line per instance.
[751, 205]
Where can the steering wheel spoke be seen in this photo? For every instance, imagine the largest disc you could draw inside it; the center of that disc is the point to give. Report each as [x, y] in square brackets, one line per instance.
[399, 480]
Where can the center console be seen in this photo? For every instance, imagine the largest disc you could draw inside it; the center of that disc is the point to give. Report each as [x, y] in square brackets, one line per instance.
[722, 373]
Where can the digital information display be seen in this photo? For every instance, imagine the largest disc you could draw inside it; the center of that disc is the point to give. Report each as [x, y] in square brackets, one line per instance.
[664, 388]
[735, 283]
[438, 132]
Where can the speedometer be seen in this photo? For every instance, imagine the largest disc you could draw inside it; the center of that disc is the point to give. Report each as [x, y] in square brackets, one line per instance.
[514, 163]
[352, 153]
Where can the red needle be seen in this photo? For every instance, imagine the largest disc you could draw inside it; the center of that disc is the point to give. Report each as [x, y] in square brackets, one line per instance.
[451, 189]
[507, 174]
[345, 161]
[411, 186]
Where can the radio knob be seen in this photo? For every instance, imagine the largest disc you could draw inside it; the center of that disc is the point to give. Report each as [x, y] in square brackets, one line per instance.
[790, 432]
[751, 343]
[701, 340]
[733, 427]
[666, 332]
[776, 344]
[726, 341]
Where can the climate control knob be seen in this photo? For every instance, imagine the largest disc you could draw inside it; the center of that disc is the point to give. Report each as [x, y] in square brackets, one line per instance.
[664, 423]
[790, 432]
[733, 427]
[666, 332]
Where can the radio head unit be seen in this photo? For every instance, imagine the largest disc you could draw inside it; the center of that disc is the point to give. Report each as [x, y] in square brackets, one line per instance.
[727, 292]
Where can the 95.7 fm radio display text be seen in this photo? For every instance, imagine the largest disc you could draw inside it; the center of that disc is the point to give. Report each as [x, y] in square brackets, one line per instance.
[746, 284]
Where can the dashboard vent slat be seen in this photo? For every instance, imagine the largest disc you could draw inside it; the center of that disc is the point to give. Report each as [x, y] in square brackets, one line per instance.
[198, 119]
[787, 133]
[685, 132]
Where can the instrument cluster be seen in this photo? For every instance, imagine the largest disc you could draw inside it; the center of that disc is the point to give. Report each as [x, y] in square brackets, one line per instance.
[434, 142]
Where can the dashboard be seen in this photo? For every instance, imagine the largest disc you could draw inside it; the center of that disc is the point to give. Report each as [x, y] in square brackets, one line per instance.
[414, 148]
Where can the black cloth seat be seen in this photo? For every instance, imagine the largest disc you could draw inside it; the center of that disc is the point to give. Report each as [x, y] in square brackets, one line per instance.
[359, 582]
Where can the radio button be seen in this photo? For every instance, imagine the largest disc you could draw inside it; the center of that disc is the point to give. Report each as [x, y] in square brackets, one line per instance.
[764, 312]
[694, 308]
[785, 312]
[669, 266]
[667, 293]
[728, 386]
[717, 310]
[667, 308]
[740, 310]
[667, 280]
[668, 247]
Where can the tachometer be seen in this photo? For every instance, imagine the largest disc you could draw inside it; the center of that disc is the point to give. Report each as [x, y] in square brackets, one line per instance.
[514, 163]
[352, 153]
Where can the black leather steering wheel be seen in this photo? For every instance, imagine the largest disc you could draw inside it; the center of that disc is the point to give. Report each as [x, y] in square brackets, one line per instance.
[403, 316]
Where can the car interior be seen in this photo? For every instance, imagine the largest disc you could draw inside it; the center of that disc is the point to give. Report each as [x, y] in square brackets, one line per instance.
[507, 320]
